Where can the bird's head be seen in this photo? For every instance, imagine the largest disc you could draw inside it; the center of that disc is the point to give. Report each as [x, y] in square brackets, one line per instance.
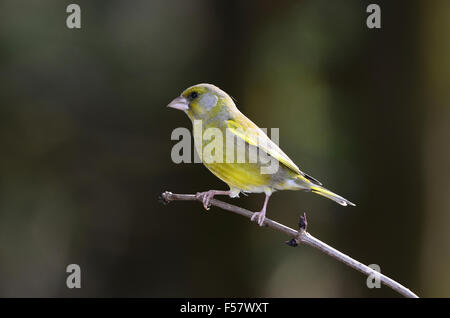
[202, 100]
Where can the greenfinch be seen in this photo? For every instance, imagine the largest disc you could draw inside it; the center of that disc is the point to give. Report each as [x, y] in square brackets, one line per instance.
[214, 109]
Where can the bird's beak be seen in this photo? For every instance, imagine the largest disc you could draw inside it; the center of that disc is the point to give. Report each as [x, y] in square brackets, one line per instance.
[180, 103]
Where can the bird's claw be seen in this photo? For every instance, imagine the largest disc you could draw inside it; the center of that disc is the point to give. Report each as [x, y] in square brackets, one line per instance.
[205, 197]
[259, 217]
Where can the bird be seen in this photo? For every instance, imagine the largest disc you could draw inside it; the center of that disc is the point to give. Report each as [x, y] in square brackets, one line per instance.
[214, 109]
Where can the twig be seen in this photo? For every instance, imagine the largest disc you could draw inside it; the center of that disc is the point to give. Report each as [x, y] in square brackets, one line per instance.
[298, 237]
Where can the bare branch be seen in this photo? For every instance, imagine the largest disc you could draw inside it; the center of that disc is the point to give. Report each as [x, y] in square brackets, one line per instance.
[299, 237]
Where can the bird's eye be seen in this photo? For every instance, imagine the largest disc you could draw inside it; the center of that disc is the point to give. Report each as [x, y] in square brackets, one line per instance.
[193, 95]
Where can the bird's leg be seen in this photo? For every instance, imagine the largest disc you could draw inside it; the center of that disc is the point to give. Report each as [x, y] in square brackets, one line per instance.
[208, 195]
[260, 216]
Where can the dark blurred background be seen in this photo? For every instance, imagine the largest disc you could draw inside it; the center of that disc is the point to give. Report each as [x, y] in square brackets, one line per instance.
[85, 146]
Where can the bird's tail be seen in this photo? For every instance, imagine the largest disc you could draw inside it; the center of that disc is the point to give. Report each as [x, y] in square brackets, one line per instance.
[330, 195]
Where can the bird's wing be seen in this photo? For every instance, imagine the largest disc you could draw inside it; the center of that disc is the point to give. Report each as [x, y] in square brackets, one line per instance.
[245, 129]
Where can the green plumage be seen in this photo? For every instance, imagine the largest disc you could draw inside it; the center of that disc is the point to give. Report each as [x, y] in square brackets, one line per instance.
[210, 107]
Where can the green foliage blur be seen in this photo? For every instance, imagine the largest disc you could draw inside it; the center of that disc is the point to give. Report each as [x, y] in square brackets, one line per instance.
[85, 144]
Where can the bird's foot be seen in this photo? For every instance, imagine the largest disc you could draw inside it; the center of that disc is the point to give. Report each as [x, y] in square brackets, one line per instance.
[207, 196]
[259, 217]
